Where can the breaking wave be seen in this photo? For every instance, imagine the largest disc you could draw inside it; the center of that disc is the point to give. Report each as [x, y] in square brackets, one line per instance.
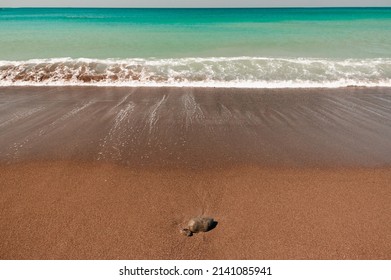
[248, 72]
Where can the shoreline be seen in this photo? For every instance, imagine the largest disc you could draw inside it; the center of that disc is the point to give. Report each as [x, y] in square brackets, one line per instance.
[116, 173]
[205, 72]
[155, 87]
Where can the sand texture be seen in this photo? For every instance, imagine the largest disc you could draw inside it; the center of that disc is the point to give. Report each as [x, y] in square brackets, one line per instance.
[116, 173]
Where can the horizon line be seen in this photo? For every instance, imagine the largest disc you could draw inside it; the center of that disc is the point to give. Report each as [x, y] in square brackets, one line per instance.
[212, 7]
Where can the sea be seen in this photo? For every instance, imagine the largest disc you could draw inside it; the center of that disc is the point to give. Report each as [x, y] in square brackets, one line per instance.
[244, 48]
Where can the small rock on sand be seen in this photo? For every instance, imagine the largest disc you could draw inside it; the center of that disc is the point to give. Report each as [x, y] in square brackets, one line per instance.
[199, 224]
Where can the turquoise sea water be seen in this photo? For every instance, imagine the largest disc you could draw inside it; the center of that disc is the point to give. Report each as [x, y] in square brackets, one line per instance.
[228, 47]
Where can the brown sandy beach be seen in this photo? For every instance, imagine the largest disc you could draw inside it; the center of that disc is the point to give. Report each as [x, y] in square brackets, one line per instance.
[115, 173]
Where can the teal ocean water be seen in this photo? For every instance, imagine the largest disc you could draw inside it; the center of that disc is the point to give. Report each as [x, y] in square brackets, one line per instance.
[326, 47]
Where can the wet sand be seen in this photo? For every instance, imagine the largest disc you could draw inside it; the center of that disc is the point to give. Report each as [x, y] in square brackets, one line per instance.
[115, 173]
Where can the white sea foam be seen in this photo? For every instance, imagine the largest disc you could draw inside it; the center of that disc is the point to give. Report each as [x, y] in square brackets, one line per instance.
[240, 72]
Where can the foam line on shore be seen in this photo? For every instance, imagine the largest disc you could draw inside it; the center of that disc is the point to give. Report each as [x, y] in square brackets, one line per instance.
[223, 72]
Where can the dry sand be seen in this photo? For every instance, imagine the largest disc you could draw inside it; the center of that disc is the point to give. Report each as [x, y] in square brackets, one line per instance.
[115, 173]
